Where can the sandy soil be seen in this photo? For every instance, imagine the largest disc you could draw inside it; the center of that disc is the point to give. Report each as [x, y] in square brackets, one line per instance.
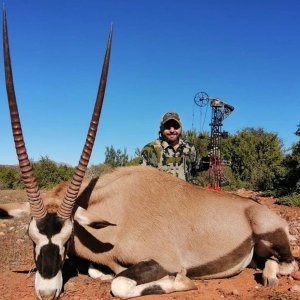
[17, 268]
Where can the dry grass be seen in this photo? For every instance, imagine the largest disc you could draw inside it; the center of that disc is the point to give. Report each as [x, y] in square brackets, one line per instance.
[14, 232]
[7, 196]
[16, 260]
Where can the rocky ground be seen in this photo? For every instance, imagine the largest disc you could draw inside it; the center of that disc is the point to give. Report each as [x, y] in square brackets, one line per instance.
[17, 267]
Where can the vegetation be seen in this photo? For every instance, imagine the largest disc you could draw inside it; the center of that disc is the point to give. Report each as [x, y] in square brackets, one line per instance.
[10, 178]
[201, 141]
[290, 200]
[256, 160]
[48, 173]
[97, 170]
[115, 158]
[288, 187]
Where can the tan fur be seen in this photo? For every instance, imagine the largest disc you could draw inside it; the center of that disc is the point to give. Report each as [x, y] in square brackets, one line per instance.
[166, 219]
[181, 226]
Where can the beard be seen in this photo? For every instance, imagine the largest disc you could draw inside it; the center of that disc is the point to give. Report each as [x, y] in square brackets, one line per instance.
[172, 138]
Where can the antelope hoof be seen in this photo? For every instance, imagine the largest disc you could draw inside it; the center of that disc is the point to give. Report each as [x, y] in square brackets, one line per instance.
[270, 282]
[183, 283]
[97, 274]
[269, 274]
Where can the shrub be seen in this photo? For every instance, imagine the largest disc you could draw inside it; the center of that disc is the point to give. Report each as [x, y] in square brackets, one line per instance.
[97, 170]
[292, 200]
[49, 174]
[10, 178]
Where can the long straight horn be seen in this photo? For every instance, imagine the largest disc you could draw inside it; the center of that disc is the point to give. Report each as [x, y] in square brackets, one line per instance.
[38, 210]
[66, 207]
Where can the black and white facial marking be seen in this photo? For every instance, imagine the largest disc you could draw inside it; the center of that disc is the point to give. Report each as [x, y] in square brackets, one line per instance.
[50, 237]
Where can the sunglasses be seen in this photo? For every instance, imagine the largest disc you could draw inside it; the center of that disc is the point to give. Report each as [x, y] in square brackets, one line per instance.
[170, 124]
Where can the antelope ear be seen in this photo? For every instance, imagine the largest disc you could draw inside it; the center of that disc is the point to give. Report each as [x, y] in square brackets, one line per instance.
[14, 210]
[85, 218]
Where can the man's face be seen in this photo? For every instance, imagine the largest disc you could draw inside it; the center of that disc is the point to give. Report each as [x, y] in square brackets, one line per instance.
[171, 131]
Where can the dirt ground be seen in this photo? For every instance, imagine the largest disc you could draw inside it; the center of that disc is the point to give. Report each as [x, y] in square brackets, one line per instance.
[17, 267]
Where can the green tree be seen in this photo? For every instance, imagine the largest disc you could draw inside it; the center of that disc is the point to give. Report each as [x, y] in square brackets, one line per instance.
[115, 158]
[48, 173]
[10, 178]
[256, 157]
[97, 170]
[290, 183]
[136, 160]
[201, 141]
[65, 172]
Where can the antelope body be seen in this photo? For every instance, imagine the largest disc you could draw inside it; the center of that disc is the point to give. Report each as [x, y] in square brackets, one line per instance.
[148, 214]
[153, 230]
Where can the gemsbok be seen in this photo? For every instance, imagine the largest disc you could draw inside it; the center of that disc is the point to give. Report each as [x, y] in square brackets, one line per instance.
[154, 231]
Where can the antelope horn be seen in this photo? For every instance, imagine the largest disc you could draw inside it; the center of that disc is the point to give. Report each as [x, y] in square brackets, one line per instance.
[66, 207]
[37, 207]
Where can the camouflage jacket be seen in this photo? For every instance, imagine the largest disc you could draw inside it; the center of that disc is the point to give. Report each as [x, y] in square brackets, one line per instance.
[183, 162]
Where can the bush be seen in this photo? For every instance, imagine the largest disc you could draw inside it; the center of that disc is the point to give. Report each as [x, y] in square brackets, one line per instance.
[134, 161]
[49, 174]
[115, 158]
[292, 200]
[232, 183]
[10, 178]
[97, 170]
[256, 158]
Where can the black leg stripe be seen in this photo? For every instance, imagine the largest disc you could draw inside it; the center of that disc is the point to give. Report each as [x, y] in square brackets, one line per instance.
[144, 272]
[155, 289]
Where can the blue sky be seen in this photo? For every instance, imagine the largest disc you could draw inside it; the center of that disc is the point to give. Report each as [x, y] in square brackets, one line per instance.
[246, 53]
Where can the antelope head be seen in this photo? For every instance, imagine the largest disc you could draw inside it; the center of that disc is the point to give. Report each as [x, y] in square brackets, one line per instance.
[50, 231]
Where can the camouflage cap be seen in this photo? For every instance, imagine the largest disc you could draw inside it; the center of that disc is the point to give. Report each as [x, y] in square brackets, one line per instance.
[170, 116]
